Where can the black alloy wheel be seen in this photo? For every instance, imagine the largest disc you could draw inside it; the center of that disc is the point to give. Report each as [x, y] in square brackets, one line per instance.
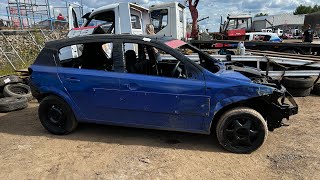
[241, 130]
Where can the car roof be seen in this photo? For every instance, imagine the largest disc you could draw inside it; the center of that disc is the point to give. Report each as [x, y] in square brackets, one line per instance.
[57, 44]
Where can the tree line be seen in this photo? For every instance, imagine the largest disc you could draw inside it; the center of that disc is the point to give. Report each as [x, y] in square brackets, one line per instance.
[306, 9]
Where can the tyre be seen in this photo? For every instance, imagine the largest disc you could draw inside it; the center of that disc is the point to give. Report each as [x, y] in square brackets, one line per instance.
[316, 89]
[241, 130]
[299, 92]
[17, 90]
[56, 116]
[297, 82]
[8, 104]
[9, 80]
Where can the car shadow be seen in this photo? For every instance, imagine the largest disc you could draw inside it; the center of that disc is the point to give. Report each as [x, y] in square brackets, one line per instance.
[26, 123]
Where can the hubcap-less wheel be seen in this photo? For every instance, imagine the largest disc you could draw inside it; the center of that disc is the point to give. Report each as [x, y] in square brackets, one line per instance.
[56, 115]
[241, 130]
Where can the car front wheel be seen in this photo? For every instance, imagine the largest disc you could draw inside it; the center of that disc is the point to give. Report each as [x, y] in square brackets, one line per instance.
[241, 130]
[56, 116]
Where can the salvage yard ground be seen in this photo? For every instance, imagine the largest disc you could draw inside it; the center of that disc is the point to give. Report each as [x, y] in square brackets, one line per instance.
[27, 151]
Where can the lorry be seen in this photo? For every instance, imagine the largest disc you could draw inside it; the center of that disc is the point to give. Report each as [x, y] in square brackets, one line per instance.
[128, 18]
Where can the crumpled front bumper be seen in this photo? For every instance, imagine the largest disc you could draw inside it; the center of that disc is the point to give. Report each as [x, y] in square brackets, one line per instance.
[290, 108]
[282, 106]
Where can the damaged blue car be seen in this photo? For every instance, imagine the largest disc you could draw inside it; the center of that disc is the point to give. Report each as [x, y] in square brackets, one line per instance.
[157, 83]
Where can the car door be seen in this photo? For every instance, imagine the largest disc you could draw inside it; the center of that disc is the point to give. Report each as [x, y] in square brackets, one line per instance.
[163, 102]
[84, 84]
[72, 18]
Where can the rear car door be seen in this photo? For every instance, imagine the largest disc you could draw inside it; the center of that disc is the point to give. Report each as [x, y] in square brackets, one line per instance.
[84, 76]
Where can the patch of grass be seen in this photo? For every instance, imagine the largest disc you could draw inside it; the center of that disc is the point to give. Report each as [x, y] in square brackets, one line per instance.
[28, 54]
[6, 69]
[38, 37]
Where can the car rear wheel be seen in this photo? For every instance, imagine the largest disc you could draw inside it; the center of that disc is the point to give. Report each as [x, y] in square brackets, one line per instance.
[241, 130]
[56, 116]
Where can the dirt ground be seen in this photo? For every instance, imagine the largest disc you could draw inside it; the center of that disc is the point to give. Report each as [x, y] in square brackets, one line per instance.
[27, 151]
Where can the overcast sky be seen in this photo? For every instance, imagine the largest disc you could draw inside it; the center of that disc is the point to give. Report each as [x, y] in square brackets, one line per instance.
[212, 8]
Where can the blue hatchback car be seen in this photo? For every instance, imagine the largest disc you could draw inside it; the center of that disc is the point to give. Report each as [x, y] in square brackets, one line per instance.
[158, 83]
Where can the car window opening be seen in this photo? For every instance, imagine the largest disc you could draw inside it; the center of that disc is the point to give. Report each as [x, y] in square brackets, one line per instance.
[135, 21]
[149, 60]
[105, 20]
[137, 59]
[96, 56]
[159, 19]
[199, 57]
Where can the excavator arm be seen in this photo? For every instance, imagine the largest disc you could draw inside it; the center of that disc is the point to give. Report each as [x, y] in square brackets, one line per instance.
[194, 16]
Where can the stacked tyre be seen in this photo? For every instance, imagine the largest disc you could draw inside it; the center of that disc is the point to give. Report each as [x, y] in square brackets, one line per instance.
[298, 86]
[316, 89]
[14, 95]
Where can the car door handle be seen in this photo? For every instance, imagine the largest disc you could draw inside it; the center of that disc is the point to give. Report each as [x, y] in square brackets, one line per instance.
[72, 79]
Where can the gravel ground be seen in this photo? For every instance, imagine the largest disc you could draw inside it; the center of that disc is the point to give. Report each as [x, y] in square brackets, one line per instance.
[27, 151]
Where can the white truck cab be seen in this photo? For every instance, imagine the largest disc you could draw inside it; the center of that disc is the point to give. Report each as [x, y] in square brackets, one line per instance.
[128, 18]
[118, 18]
[169, 19]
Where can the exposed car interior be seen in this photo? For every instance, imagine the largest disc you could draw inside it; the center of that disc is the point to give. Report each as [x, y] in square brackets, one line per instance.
[200, 58]
[86, 56]
[147, 60]
[137, 59]
[152, 61]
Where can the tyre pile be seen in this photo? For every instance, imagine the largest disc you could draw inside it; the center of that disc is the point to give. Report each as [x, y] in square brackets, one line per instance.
[14, 93]
[301, 86]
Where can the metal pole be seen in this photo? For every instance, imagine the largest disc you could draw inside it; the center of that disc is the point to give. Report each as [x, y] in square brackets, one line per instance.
[19, 13]
[8, 12]
[27, 14]
[34, 41]
[82, 11]
[49, 14]
[4, 54]
[32, 10]
[4, 37]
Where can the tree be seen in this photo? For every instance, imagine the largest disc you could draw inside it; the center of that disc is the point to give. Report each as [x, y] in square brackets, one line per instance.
[301, 9]
[261, 14]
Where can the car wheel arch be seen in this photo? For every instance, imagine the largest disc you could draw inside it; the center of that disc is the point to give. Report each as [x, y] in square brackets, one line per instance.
[253, 103]
[67, 100]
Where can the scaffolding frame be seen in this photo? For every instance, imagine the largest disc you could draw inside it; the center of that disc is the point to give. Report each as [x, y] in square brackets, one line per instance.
[25, 14]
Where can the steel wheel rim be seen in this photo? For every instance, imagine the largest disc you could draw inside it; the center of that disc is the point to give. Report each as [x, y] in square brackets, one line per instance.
[56, 115]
